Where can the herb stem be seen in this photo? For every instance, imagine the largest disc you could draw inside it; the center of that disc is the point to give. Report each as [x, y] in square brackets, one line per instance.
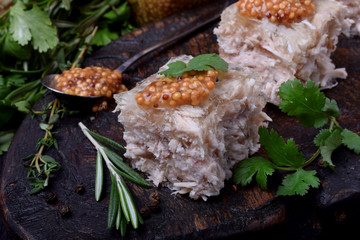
[334, 122]
[99, 148]
[313, 157]
[38, 155]
[285, 168]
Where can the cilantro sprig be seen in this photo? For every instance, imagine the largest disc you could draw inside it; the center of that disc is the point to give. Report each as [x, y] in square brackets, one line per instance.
[202, 62]
[310, 106]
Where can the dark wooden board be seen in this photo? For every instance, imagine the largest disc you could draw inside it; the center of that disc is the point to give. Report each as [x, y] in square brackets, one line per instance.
[232, 213]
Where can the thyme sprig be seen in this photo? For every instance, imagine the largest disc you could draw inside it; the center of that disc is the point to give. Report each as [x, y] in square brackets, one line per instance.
[40, 165]
[122, 209]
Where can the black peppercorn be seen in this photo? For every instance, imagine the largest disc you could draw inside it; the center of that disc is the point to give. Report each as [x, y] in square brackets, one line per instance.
[154, 204]
[79, 188]
[64, 211]
[144, 212]
[50, 197]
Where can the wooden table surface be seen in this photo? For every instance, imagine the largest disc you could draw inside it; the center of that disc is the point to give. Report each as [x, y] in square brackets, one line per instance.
[245, 212]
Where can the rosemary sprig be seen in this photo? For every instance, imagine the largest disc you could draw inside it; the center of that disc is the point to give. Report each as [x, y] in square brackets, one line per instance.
[122, 209]
[41, 166]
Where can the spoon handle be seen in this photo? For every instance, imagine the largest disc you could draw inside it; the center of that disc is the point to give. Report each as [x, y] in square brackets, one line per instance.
[174, 36]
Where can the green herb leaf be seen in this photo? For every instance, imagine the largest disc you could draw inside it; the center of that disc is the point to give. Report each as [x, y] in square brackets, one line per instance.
[53, 119]
[43, 126]
[351, 140]
[32, 25]
[104, 37]
[331, 108]
[305, 103]
[5, 141]
[41, 166]
[113, 202]
[282, 154]
[128, 212]
[14, 49]
[247, 168]
[99, 177]
[107, 142]
[207, 62]
[129, 173]
[123, 202]
[199, 63]
[47, 158]
[175, 69]
[129, 203]
[298, 182]
[118, 218]
[120, 14]
[123, 225]
[328, 141]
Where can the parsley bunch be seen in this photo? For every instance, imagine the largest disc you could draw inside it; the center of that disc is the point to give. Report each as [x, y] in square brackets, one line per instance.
[312, 109]
[44, 37]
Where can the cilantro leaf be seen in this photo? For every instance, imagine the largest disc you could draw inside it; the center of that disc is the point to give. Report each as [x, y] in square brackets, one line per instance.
[298, 182]
[175, 69]
[331, 108]
[351, 140]
[207, 62]
[282, 154]
[320, 139]
[202, 62]
[11, 47]
[246, 169]
[33, 24]
[305, 103]
[328, 141]
[121, 14]
[104, 37]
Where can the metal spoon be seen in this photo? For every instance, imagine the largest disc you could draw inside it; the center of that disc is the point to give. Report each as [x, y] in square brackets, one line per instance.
[49, 80]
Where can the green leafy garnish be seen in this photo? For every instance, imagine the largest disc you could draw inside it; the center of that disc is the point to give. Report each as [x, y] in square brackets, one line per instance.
[32, 25]
[305, 103]
[41, 166]
[256, 165]
[283, 154]
[312, 109]
[5, 140]
[298, 183]
[122, 209]
[351, 140]
[202, 62]
[45, 37]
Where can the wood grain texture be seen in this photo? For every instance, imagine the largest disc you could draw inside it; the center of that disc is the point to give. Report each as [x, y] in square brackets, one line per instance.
[232, 213]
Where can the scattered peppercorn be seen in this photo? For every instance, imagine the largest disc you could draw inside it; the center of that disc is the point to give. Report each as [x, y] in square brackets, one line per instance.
[154, 204]
[50, 197]
[190, 88]
[282, 11]
[79, 188]
[145, 212]
[90, 81]
[154, 197]
[64, 211]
